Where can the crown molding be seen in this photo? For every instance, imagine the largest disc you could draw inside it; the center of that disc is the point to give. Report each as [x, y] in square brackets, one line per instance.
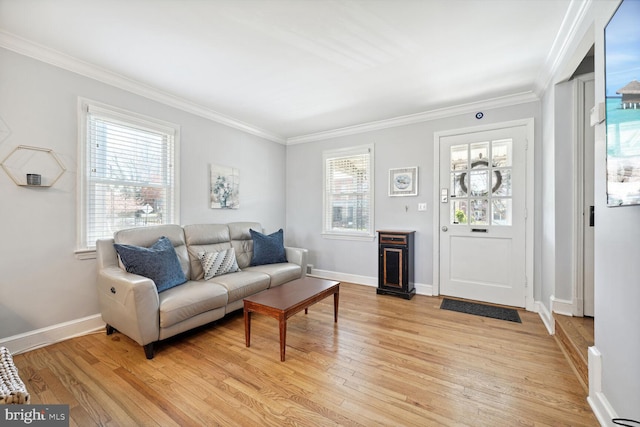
[58, 59]
[572, 20]
[504, 101]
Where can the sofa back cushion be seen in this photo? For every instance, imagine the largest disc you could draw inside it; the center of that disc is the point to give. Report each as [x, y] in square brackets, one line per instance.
[242, 242]
[205, 238]
[147, 236]
[159, 262]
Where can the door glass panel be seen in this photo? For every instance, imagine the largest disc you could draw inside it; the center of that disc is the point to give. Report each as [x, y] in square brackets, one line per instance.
[501, 152]
[479, 155]
[459, 184]
[501, 212]
[501, 182]
[458, 212]
[479, 182]
[479, 211]
[459, 157]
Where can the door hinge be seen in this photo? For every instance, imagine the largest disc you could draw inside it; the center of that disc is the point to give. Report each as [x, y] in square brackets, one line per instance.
[526, 283]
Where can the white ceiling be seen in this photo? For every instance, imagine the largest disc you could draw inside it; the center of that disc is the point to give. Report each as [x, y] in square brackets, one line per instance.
[298, 67]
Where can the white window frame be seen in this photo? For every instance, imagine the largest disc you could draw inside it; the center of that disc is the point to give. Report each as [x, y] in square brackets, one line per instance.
[327, 218]
[85, 106]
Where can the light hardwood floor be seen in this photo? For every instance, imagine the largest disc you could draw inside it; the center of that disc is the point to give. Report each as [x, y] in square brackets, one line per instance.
[387, 362]
[574, 336]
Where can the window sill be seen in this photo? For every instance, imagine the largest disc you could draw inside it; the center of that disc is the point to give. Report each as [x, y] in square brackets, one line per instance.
[355, 237]
[83, 254]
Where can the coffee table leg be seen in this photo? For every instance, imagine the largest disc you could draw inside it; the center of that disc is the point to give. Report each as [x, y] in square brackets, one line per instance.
[283, 336]
[336, 297]
[247, 327]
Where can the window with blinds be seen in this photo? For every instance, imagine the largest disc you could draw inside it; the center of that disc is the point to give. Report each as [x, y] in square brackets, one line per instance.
[348, 193]
[129, 172]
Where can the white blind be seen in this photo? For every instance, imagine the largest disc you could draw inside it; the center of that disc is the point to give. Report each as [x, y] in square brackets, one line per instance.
[348, 204]
[129, 174]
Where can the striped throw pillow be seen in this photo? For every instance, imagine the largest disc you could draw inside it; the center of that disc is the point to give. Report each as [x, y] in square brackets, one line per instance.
[218, 263]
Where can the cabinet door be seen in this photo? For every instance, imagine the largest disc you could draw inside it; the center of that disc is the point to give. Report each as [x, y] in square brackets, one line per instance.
[392, 271]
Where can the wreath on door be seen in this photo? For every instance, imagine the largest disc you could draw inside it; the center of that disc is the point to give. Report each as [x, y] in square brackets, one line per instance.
[475, 164]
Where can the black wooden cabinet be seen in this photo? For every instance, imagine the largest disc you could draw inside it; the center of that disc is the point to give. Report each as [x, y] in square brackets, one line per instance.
[395, 263]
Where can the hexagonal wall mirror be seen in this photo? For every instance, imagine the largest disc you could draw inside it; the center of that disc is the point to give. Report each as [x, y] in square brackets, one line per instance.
[40, 163]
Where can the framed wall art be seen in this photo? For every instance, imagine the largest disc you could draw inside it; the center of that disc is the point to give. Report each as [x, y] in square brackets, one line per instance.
[622, 62]
[403, 181]
[225, 187]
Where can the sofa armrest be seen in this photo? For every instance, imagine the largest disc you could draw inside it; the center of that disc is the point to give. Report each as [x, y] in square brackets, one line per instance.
[129, 303]
[298, 256]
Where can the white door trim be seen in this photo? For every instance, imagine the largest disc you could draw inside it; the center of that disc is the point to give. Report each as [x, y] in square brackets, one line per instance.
[578, 191]
[529, 205]
[578, 201]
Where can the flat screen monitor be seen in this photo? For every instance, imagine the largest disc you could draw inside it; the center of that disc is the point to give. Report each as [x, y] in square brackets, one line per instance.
[622, 83]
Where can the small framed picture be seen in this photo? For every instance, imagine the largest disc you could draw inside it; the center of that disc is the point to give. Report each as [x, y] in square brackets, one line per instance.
[225, 186]
[403, 181]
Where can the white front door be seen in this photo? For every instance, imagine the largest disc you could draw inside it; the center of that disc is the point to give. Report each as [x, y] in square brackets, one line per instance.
[482, 216]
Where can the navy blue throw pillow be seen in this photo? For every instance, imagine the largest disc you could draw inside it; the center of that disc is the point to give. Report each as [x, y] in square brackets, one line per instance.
[268, 249]
[158, 262]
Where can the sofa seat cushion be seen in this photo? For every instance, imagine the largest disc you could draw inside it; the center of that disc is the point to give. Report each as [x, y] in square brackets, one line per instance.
[241, 284]
[188, 300]
[279, 273]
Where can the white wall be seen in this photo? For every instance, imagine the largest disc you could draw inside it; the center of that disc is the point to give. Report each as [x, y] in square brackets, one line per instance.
[547, 206]
[564, 176]
[42, 283]
[409, 145]
[617, 270]
[559, 171]
[614, 365]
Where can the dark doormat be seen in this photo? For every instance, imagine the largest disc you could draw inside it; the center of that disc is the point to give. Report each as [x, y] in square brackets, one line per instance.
[481, 310]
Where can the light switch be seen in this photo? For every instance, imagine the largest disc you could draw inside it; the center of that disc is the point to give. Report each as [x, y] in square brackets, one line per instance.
[422, 206]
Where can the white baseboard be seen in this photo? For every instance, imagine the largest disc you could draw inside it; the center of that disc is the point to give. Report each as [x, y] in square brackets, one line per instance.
[52, 334]
[344, 277]
[561, 306]
[547, 317]
[600, 406]
[421, 289]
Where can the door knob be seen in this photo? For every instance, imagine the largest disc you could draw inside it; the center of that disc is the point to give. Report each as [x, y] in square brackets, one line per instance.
[444, 228]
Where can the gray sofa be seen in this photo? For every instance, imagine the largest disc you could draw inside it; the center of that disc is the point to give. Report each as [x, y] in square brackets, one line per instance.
[131, 304]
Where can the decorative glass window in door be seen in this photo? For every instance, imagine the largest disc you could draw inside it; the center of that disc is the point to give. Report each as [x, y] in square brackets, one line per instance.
[480, 184]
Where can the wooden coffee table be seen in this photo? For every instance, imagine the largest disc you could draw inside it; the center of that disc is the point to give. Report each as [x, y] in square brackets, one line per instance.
[286, 300]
